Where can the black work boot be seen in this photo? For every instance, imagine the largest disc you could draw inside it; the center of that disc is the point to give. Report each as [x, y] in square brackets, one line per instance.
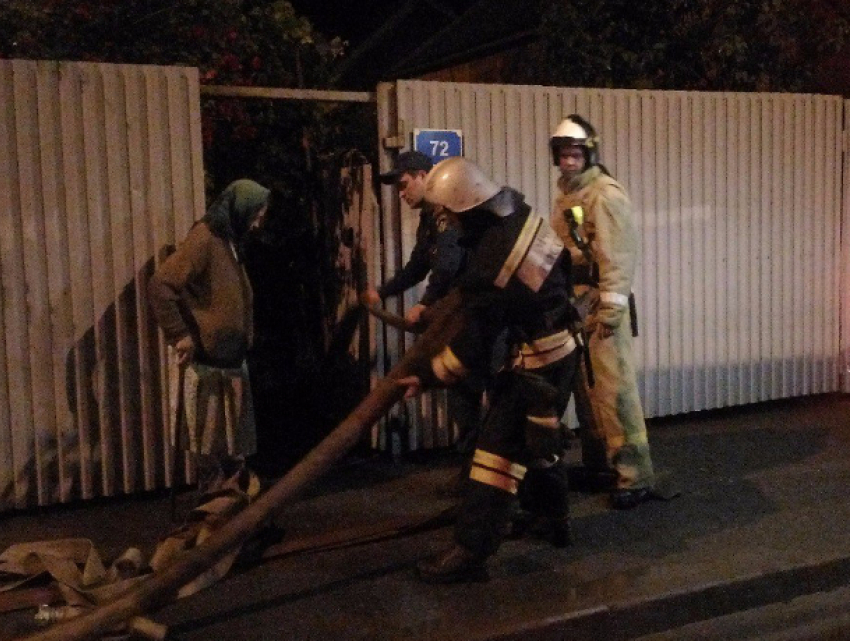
[585, 479]
[521, 523]
[628, 499]
[455, 565]
[554, 530]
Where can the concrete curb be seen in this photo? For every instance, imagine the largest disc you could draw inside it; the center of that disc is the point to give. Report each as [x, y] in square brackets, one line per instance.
[627, 619]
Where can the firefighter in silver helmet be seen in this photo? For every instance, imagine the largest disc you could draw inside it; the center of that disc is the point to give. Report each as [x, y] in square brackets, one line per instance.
[592, 215]
[516, 279]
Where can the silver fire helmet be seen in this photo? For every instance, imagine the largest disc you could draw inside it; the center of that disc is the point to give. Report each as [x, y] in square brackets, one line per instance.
[458, 185]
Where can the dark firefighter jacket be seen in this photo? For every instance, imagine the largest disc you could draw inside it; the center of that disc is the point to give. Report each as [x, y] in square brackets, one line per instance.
[436, 251]
[516, 277]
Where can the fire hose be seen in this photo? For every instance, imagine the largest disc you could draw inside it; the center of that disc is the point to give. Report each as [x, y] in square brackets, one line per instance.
[161, 587]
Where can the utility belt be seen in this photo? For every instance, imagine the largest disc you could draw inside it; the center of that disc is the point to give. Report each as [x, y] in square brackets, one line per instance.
[588, 274]
[544, 351]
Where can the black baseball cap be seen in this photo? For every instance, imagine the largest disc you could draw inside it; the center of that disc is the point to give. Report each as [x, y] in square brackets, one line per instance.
[407, 161]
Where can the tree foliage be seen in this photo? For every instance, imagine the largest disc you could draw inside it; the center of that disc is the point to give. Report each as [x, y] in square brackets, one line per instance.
[239, 42]
[746, 45]
[232, 42]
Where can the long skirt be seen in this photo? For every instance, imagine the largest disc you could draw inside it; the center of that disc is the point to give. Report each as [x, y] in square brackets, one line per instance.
[219, 412]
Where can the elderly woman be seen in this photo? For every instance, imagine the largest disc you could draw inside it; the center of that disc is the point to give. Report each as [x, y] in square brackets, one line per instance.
[202, 300]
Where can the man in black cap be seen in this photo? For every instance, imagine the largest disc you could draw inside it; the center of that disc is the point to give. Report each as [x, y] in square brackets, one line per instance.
[437, 253]
[436, 250]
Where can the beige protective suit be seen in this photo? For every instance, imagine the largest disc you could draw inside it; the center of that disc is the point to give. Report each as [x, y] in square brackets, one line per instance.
[610, 413]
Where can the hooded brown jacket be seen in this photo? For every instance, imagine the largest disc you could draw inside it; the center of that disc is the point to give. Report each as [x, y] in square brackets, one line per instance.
[202, 290]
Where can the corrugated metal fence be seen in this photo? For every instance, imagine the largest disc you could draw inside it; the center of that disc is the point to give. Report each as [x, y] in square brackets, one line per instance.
[739, 202]
[845, 263]
[102, 171]
[738, 196]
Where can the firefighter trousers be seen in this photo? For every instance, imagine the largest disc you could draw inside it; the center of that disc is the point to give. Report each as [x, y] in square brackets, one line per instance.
[613, 430]
[520, 443]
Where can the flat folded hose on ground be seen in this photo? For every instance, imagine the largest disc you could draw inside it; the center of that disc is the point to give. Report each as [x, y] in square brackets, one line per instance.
[161, 587]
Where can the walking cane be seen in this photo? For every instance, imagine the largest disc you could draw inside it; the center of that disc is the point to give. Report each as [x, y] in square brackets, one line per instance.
[179, 426]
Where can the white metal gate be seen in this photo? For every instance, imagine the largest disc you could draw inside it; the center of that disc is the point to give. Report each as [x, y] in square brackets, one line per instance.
[738, 197]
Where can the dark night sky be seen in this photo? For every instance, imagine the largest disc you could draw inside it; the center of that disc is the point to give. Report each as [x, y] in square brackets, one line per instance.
[349, 19]
[354, 20]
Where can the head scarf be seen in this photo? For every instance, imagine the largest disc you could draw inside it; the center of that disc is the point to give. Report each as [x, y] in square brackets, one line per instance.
[231, 214]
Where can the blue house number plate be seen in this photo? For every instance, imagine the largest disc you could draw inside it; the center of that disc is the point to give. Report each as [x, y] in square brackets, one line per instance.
[438, 144]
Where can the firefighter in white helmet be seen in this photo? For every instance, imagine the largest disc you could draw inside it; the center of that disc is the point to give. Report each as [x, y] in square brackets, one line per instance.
[516, 280]
[592, 216]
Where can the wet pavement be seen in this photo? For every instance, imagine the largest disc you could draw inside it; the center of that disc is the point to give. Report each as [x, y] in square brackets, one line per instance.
[761, 520]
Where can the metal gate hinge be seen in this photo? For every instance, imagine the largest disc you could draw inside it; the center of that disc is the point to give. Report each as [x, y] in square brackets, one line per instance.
[398, 140]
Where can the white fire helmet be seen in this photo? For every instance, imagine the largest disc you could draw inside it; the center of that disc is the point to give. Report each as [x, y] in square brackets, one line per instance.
[458, 185]
[575, 130]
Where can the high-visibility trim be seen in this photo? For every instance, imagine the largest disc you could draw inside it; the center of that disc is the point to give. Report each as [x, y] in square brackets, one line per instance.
[550, 422]
[494, 479]
[621, 300]
[544, 351]
[577, 213]
[447, 367]
[542, 254]
[499, 463]
[529, 229]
